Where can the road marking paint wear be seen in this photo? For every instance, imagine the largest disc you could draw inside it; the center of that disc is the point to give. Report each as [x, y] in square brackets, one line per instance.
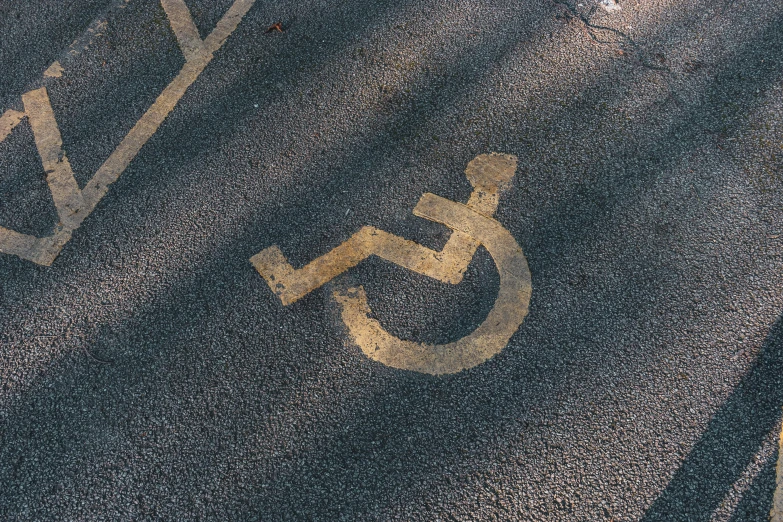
[447, 266]
[472, 226]
[74, 205]
[487, 340]
[185, 30]
[59, 175]
[54, 71]
[776, 513]
[8, 121]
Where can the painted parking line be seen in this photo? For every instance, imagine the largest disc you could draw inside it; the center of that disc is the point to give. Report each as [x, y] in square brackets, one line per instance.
[65, 191]
[472, 225]
[185, 30]
[54, 71]
[776, 513]
[74, 205]
[8, 120]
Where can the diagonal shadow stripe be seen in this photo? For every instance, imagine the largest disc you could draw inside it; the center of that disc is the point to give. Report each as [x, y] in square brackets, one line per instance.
[730, 442]
[79, 204]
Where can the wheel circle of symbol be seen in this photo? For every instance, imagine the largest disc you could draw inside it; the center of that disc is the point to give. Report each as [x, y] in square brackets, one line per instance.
[489, 339]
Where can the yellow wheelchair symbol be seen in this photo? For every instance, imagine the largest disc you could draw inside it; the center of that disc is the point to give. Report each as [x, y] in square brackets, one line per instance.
[472, 225]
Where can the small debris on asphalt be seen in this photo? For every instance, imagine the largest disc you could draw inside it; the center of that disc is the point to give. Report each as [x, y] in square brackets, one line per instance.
[609, 5]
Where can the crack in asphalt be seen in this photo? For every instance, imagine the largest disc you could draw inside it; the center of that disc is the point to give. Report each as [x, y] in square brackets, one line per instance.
[592, 30]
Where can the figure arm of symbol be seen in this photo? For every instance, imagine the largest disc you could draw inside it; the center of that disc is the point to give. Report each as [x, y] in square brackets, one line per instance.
[489, 175]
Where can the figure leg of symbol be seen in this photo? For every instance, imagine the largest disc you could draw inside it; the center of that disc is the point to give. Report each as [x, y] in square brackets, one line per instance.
[487, 340]
[290, 284]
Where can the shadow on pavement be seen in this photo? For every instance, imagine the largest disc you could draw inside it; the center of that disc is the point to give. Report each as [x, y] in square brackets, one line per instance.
[34, 33]
[195, 401]
[731, 441]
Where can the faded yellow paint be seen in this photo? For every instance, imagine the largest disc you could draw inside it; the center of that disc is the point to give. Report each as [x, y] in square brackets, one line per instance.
[447, 266]
[54, 71]
[8, 121]
[488, 339]
[59, 175]
[74, 205]
[776, 513]
[290, 284]
[472, 226]
[184, 29]
[145, 128]
[227, 24]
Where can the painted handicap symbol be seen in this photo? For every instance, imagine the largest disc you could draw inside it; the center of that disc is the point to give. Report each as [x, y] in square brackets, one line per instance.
[472, 225]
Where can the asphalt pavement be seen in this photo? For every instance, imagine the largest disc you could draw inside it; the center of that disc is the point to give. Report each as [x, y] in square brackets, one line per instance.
[150, 371]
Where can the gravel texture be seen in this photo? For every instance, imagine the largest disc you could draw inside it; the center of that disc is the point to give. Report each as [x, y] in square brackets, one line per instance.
[149, 373]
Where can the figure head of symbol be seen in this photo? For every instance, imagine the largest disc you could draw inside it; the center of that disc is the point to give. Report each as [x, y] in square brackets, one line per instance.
[491, 172]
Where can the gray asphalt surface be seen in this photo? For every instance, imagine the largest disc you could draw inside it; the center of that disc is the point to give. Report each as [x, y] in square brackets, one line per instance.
[150, 373]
